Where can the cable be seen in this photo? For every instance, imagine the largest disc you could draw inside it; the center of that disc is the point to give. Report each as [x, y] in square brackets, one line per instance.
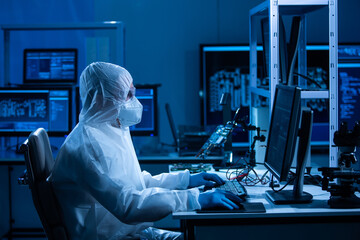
[290, 181]
[252, 180]
[318, 183]
[308, 78]
[246, 174]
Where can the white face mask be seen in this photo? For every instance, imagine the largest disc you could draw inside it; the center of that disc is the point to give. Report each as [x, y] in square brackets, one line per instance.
[130, 113]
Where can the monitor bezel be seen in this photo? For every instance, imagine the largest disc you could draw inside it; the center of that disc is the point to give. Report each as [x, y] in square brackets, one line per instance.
[48, 81]
[50, 133]
[291, 136]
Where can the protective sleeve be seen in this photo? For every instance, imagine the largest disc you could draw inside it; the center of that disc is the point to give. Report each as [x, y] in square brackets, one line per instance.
[132, 206]
[178, 180]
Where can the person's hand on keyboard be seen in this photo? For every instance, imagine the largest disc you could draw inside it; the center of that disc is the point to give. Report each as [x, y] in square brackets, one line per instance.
[210, 180]
[219, 199]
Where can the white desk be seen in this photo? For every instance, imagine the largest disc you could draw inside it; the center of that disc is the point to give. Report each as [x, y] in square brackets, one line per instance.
[298, 221]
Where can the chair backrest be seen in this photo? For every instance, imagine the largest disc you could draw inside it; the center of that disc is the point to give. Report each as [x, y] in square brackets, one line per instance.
[39, 163]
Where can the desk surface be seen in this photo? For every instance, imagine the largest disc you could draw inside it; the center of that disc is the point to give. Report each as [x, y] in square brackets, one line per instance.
[318, 207]
[311, 221]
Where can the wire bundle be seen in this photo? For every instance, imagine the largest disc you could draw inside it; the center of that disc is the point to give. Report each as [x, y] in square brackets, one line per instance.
[246, 174]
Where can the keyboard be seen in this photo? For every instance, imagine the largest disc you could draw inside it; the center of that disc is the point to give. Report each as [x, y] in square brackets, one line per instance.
[235, 187]
[238, 189]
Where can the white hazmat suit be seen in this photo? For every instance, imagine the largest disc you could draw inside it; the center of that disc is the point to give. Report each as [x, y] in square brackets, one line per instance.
[97, 178]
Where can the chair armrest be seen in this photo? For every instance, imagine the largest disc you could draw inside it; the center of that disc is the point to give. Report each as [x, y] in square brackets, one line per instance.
[23, 179]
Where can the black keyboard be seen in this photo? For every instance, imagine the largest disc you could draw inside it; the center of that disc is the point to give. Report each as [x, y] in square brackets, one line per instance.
[238, 189]
[235, 187]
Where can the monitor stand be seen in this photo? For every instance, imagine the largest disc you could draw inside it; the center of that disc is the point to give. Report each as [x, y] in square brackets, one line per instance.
[297, 195]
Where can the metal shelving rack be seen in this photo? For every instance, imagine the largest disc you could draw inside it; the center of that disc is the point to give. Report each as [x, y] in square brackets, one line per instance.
[116, 26]
[273, 9]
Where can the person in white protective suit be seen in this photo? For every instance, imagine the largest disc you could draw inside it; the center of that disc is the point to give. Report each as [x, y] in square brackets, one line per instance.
[97, 178]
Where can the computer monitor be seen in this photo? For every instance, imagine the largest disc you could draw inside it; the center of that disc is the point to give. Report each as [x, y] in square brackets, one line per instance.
[50, 66]
[349, 88]
[147, 95]
[287, 51]
[348, 73]
[23, 110]
[284, 133]
[349, 79]
[225, 68]
[293, 48]
[283, 52]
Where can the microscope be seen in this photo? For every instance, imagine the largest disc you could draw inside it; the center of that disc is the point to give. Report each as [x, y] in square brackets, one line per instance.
[342, 191]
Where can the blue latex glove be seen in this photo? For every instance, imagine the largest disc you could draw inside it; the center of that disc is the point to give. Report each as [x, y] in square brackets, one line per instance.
[219, 199]
[208, 179]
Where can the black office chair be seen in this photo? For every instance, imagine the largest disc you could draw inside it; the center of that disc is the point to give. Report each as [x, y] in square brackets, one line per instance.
[39, 163]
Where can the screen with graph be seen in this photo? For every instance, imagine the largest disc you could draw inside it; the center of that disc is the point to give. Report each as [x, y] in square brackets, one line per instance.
[24, 110]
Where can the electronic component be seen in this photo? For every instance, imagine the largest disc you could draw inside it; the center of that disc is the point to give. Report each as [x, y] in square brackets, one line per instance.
[219, 136]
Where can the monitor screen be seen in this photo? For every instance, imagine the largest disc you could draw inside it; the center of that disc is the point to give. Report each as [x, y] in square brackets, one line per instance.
[348, 100]
[225, 68]
[349, 84]
[349, 93]
[24, 110]
[50, 66]
[147, 95]
[283, 131]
